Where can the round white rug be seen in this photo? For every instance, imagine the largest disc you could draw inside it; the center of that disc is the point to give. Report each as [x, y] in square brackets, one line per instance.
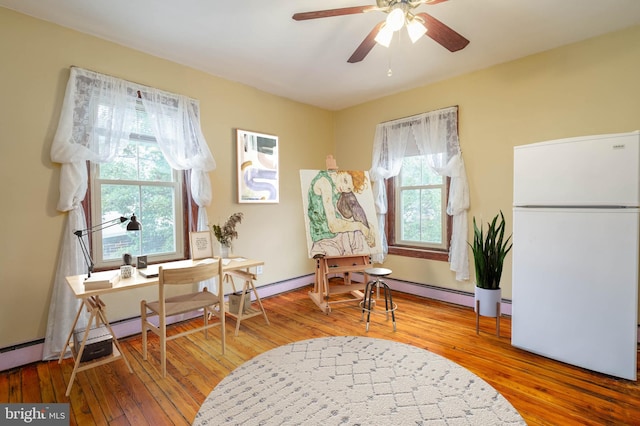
[354, 381]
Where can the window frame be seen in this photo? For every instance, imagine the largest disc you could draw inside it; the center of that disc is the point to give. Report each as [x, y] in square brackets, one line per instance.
[408, 250]
[189, 214]
[176, 184]
[189, 211]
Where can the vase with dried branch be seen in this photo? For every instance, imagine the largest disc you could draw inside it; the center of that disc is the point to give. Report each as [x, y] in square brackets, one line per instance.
[226, 233]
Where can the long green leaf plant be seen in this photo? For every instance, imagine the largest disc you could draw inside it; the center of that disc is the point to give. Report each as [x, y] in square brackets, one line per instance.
[489, 252]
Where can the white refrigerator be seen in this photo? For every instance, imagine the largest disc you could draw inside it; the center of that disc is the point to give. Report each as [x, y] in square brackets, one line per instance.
[576, 251]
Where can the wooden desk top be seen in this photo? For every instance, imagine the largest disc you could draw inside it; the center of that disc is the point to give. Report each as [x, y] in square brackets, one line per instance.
[76, 282]
[235, 263]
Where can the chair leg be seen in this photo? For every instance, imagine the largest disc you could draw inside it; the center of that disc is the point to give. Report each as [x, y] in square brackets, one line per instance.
[143, 318]
[223, 332]
[163, 345]
[364, 299]
[370, 291]
[391, 306]
[387, 294]
[205, 311]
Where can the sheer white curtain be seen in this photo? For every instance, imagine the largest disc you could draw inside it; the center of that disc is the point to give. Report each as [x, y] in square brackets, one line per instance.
[176, 118]
[98, 112]
[176, 126]
[435, 134]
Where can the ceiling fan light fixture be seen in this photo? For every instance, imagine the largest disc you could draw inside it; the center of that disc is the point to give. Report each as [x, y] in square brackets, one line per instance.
[395, 19]
[398, 14]
[416, 30]
[384, 36]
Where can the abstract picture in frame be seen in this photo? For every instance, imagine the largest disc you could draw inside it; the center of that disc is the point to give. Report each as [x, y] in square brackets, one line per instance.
[258, 177]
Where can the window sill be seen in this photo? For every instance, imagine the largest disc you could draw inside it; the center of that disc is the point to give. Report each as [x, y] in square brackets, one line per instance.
[419, 253]
[116, 266]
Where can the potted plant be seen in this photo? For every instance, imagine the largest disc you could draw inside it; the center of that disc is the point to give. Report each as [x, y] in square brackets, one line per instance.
[227, 232]
[489, 252]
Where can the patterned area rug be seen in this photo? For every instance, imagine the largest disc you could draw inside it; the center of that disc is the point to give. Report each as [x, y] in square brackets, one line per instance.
[354, 381]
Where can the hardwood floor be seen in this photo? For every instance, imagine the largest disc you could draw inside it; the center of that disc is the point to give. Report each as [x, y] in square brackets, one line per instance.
[545, 392]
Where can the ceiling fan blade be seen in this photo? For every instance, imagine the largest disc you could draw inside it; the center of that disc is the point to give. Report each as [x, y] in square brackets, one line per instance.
[367, 44]
[442, 34]
[429, 2]
[332, 12]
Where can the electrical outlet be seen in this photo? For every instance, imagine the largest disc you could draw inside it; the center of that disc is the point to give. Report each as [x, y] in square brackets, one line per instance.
[259, 269]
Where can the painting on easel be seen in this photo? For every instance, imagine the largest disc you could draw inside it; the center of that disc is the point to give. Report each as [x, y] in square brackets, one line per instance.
[339, 213]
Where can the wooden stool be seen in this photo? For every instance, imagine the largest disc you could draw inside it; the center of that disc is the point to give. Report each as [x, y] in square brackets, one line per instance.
[367, 303]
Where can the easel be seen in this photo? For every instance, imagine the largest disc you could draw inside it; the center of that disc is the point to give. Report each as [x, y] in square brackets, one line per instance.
[344, 265]
[338, 265]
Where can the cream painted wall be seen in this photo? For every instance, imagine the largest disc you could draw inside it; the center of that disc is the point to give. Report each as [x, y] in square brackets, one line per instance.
[586, 88]
[36, 57]
[590, 87]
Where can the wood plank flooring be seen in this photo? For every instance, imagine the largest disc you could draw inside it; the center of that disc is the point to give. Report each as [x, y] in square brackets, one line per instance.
[545, 392]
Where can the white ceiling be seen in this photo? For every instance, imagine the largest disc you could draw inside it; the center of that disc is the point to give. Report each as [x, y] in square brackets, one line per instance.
[256, 42]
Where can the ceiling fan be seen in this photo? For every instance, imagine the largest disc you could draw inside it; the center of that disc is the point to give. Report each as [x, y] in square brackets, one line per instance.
[399, 13]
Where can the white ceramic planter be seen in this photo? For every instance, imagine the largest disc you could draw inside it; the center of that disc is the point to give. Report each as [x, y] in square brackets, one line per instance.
[489, 300]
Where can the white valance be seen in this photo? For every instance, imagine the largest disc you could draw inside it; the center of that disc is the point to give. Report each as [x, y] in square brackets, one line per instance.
[435, 135]
[99, 111]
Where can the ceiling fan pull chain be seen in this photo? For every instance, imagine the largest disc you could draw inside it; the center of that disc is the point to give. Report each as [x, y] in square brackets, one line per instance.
[389, 71]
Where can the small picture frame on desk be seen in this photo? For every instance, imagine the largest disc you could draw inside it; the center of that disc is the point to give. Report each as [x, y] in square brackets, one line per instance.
[141, 262]
[201, 247]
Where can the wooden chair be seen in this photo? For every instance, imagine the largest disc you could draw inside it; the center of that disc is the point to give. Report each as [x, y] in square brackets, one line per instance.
[167, 306]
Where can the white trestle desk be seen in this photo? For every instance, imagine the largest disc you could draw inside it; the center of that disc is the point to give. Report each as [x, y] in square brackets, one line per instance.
[97, 308]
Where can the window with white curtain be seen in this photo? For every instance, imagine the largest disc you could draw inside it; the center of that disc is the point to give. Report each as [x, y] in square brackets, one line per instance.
[137, 181]
[420, 215]
[104, 120]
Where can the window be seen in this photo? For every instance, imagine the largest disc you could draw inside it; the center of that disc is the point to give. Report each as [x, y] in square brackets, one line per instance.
[414, 224]
[420, 203]
[137, 181]
[417, 223]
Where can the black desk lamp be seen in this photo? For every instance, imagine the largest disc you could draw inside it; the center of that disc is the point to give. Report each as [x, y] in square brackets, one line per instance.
[133, 225]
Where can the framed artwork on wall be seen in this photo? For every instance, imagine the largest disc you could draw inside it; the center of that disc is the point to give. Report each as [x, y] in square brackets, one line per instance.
[258, 177]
